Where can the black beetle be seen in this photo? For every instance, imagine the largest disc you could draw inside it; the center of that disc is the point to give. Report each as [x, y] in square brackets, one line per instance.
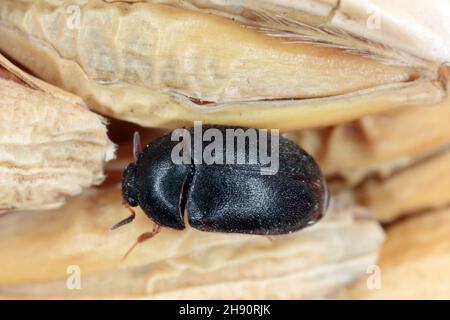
[224, 197]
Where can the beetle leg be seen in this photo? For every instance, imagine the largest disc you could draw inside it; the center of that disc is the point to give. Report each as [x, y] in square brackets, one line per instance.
[143, 237]
[137, 148]
[126, 220]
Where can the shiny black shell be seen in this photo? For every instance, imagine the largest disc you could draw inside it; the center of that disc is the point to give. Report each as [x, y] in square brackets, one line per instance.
[227, 198]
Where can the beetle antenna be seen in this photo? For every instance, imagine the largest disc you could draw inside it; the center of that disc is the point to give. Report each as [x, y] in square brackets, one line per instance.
[137, 148]
[143, 237]
[126, 220]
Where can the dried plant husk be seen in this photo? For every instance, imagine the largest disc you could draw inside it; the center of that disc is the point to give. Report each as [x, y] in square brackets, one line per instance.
[396, 162]
[156, 65]
[414, 260]
[423, 185]
[51, 144]
[391, 29]
[379, 144]
[315, 262]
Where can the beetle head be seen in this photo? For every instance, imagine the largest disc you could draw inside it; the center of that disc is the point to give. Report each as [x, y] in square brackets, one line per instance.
[129, 186]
